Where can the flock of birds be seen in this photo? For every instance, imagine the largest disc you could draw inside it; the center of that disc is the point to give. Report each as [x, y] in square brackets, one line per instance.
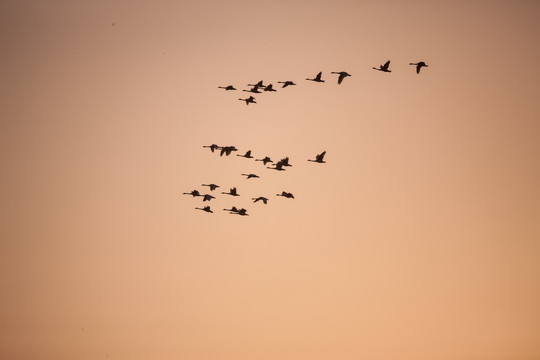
[259, 87]
[280, 165]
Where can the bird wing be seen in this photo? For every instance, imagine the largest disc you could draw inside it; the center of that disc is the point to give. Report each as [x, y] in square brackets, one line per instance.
[386, 64]
[321, 155]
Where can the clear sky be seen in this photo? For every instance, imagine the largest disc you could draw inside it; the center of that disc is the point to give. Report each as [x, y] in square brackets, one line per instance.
[419, 238]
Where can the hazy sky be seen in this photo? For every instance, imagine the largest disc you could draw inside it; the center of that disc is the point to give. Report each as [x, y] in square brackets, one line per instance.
[418, 239]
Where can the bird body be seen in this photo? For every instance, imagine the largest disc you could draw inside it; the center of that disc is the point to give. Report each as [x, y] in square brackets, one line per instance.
[212, 147]
[265, 160]
[231, 192]
[319, 158]
[286, 194]
[212, 186]
[193, 193]
[384, 67]
[260, 198]
[419, 66]
[228, 87]
[317, 78]
[249, 176]
[269, 88]
[249, 100]
[206, 208]
[208, 197]
[342, 75]
[286, 83]
[246, 155]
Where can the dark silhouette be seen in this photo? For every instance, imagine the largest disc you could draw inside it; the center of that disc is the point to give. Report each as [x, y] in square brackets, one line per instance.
[193, 193]
[208, 197]
[269, 88]
[228, 87]
[319, 158]
[342, 75]
[249, 100]
[212, 147]
[285, 161]
[286, 83]
[232, 210]
[246, 155]
[231, 192]
[419, 66]
[249, 176]
[227, 150]
[384, 67]
[254, 89]
[212, 186]
[241, 212]
[261, 198]
[259, 85]
[317, 78]
[278, 166]
[265, 160]
[286, 194]
[206, 208]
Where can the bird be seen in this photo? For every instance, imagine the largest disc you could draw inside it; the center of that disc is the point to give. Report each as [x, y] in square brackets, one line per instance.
[260, 198]
[249, 176]
[342, 75]
[259, 85]
[278, 166]
[193, 193]
[269, 88]
[208, 197]
[231, 192]
[232, 210]
[286, 83]
[212, 147]
[285, 161]
[249, 100]
[254, 89]
[419, 66]
[319, 158]
[206, 208]
[317, 78]
[241, 212]
[212, 186]
[286, 194]
[228, 87]
[246, 155]
[227, 150]
[384, 67]
[265, 160]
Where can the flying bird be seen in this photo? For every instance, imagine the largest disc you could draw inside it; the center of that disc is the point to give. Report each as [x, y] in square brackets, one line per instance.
[260, 198]
[419, 66]
[208, 197]
[278, 166]
[193, 193]
[342, 75]
[384, 67]
[286, 83]
[285, 161]
[265, 160]
[206, 208]
[254, 89]
[232, 210]
[246, 155]
[269, 88]
[212, 186]
[286, 194]
[317, 78]
[241, 212]
[228, 87]
[319, 158]
[212, 147]
[259, 85]
[231, 192]
[249, 176]
[227, 150]
[249, 100]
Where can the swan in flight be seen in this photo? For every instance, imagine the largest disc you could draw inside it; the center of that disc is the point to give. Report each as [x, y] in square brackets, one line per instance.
[319, 158]
[419, 66]
[384, 67]
[317, 78]
[342, 75]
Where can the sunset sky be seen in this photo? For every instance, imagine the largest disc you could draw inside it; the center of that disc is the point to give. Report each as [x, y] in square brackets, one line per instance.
[418, 239]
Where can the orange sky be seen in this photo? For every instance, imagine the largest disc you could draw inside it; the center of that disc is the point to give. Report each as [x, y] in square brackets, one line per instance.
[418, 239]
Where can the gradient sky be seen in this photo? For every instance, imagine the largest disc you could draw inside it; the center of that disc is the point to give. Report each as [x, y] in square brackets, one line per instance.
[418, 239]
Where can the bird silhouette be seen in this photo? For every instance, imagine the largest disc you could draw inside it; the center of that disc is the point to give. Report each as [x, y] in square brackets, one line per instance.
[260, 198]
[342, 75]
[277, 166]
[269, 88]
[384, 67]
[212, 186]
[254, 89]
[208, 197]
[259, 84]
[317, 78]
[246, 155]
[193, 193]
[241, 212]
[231, 192]
[212, 147]
[232, 210]
[285, 161]
[265, 160]
[419, 66]
[286, 194]
[206, 208]
[227, 150]
[319, 158]
[228, 87]
[249, 176]
[286, 83]
[249, 100]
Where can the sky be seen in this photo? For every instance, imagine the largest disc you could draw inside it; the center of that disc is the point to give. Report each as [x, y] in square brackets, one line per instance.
[419, 238]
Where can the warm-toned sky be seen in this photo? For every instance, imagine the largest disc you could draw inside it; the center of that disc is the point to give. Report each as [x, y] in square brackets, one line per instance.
[418, 239]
